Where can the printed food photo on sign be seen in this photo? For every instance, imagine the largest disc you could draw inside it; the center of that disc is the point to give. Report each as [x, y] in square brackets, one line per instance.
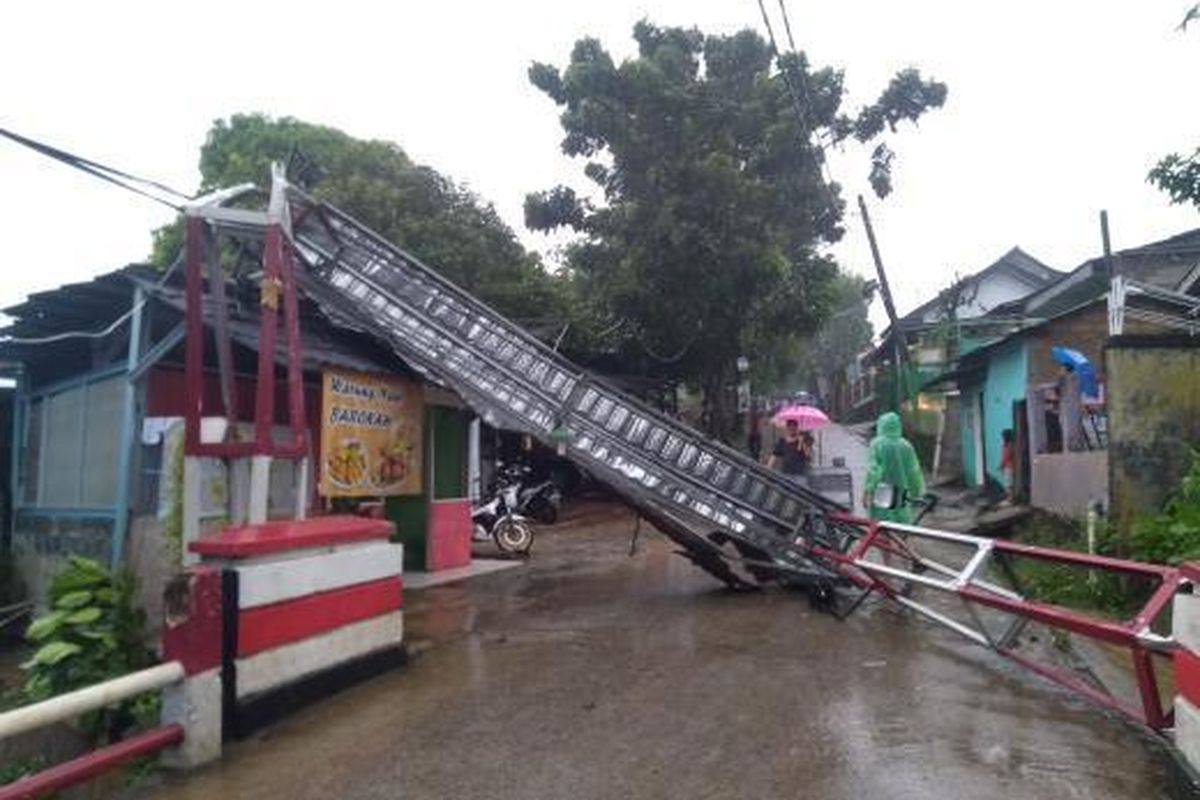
[370, 435]
[347, 464]
[392, 460]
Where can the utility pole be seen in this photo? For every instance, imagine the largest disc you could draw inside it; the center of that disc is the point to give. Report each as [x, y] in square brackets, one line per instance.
[896, 337]
[1109, 262]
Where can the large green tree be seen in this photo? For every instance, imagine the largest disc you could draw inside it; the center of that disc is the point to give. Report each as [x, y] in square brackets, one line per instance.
[708, 152]
[411, 205]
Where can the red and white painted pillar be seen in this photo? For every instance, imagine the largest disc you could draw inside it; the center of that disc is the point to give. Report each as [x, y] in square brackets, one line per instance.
[309, 606]
[193, 636]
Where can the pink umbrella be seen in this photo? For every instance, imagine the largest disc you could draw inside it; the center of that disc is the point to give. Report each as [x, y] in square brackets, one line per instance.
[806, 417]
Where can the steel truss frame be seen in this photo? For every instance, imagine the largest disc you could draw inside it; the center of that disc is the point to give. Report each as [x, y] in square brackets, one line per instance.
[870, 539]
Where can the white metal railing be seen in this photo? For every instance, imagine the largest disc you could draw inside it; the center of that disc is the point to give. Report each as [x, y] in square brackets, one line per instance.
[91, 698]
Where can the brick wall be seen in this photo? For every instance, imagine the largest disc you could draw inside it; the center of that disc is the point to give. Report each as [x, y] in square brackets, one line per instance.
[1085, 330]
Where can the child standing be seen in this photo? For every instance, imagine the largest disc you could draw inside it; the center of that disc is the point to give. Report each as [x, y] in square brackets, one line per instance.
[1007, 461]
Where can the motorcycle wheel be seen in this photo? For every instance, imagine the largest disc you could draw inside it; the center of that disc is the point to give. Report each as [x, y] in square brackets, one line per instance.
[513, 536]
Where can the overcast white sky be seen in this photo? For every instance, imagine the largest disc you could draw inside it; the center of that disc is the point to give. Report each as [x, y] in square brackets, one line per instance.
[1056, 110]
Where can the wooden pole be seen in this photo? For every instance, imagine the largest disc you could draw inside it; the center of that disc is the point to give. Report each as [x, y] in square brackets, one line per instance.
[1109, 262]
[885, 290]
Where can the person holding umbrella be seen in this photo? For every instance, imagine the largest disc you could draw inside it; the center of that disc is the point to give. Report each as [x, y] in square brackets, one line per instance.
[793, 454]
[790, 456]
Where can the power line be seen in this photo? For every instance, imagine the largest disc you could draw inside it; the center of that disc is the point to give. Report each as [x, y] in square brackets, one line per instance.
[787, 26]
[799, 104]
[787, 80]
[112, 175]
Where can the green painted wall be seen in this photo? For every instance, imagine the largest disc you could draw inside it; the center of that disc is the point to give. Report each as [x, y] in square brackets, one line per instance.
[1007, 376]
[449, 429]
[444, 442]
[411, 514]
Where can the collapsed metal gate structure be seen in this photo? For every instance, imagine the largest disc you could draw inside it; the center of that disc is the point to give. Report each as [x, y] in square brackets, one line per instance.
[732, 517]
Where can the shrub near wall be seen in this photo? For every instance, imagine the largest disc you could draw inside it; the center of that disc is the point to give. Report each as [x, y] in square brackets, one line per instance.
[1170, 536]
[92, 632]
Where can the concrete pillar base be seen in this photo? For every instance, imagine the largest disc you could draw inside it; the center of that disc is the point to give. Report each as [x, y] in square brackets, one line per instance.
[194, 703]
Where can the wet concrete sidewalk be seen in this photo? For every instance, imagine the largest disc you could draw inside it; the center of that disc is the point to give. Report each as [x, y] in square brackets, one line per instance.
[590, 674]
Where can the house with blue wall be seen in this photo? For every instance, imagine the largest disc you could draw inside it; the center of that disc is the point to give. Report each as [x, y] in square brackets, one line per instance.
[994, 378]
[975, 310]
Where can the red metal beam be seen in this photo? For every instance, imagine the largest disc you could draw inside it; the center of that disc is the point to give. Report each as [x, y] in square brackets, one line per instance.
[1083, 559]
[1074, 683]
[1143, 667]
[194, 342]
[1163, 595]
[264, 413]
[1057, 616]
[295, 374]
[92, 764]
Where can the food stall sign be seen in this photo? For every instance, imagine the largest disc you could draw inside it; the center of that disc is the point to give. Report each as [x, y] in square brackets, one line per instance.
[370, 435]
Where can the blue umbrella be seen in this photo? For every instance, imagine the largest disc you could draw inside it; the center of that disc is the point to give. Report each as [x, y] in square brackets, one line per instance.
[1078, 362]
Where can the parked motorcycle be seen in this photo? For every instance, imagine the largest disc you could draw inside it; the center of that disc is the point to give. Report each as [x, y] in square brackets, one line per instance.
[506, 517]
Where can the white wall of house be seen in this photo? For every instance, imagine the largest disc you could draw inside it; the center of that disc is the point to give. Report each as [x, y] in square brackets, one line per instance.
[995, 288]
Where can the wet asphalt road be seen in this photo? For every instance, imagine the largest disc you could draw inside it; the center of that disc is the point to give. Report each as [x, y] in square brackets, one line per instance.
[589, 674]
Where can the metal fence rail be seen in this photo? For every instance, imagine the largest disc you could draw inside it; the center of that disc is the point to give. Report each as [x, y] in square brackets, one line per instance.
[72, 704]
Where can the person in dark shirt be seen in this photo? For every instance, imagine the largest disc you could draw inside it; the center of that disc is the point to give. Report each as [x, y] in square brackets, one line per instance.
[790, 455]
[754, 437]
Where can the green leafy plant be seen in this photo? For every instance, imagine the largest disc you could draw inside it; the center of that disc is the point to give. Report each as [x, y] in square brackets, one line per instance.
[93, 632]
[1073, 586]
[1172, 536]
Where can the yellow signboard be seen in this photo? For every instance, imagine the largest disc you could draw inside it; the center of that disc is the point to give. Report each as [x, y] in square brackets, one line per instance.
[370, 435]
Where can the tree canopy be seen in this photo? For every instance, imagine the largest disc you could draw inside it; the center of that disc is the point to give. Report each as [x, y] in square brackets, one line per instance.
[412, 205]
[708, 153]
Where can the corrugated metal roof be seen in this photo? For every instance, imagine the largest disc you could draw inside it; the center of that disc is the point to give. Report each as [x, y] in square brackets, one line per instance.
[91, 305]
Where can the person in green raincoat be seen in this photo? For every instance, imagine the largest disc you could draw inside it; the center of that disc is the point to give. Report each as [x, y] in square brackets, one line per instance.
[894, 474]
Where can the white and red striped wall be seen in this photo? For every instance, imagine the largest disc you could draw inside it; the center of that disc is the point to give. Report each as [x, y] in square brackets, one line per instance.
[307, 606]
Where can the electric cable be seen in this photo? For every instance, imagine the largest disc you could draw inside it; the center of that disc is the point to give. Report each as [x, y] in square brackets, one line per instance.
[101, 171]
[797, 102]
[111, 175]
